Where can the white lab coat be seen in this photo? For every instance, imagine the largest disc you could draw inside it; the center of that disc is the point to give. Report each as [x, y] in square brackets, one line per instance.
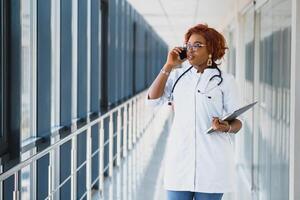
[196, 161]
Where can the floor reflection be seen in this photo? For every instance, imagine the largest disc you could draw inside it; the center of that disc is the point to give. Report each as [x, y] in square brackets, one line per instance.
[140, 175]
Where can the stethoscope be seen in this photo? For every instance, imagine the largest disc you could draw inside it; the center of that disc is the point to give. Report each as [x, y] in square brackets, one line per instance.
[170, 98]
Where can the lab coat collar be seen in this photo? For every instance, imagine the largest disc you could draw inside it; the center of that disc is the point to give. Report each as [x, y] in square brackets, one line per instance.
[205, 76]
[206, 71]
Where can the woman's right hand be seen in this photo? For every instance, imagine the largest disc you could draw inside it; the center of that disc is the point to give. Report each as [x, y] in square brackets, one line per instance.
[173, 57]
[157, 87]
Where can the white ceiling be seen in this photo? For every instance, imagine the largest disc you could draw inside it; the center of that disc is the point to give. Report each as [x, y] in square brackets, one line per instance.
[172, 18]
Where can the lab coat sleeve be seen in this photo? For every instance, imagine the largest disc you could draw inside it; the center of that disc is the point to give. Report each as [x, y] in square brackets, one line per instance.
[167, 91]
[231, 95]
[232, 99]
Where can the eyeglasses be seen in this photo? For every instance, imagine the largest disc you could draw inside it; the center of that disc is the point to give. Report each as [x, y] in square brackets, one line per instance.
[194, 47]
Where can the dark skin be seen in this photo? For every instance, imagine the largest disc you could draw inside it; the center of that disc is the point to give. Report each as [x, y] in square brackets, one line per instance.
[198, 58]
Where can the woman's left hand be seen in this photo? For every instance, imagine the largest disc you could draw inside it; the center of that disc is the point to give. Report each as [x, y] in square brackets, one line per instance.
[219, 125]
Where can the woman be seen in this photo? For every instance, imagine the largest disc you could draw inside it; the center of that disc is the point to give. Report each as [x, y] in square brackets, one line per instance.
[198, 165]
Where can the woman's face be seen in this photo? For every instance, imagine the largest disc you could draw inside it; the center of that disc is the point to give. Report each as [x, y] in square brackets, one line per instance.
[197, 54]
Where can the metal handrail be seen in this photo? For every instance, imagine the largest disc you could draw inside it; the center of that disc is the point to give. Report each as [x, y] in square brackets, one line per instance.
[44, 152]
[132, 121]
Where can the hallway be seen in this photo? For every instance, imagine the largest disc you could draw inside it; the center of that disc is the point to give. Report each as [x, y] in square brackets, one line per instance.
[140, 174]
[75, 76]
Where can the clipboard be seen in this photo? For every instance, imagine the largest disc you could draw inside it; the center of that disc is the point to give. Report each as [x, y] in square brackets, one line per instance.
[234, 115]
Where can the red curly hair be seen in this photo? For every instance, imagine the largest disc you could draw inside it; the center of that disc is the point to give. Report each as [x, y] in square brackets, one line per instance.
[216, 43]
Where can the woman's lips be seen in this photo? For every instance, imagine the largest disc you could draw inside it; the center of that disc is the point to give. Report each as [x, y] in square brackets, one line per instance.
[190, 57]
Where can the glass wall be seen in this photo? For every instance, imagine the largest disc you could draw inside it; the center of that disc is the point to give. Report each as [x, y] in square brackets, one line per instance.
[244, 138]
[274, 102]
[62, 51]
[263, 144]
[248, 93]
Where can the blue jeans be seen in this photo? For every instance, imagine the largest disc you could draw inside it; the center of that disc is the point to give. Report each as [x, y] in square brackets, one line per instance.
[185, 195]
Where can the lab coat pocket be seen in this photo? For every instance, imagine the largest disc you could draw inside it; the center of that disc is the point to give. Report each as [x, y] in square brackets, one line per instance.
[214, 100]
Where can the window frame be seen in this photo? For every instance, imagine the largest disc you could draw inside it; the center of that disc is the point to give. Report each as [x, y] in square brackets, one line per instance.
[104, 56]
[3, 63]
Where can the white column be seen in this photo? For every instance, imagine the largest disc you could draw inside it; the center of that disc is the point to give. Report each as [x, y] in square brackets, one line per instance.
[144, 115]
[111, 145]
[55, 96]
[125, 123]
[119, 137]
[139, 117]
[294, 178]
[74, 99]
[50, 176]
[33, 170]
[54, 172]
[101, 155]
[74, 168]
[130, 126]
[55, 63]
[89, 164]
[134, 120]
[74, 57]
[89, 136]
[16, 195]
